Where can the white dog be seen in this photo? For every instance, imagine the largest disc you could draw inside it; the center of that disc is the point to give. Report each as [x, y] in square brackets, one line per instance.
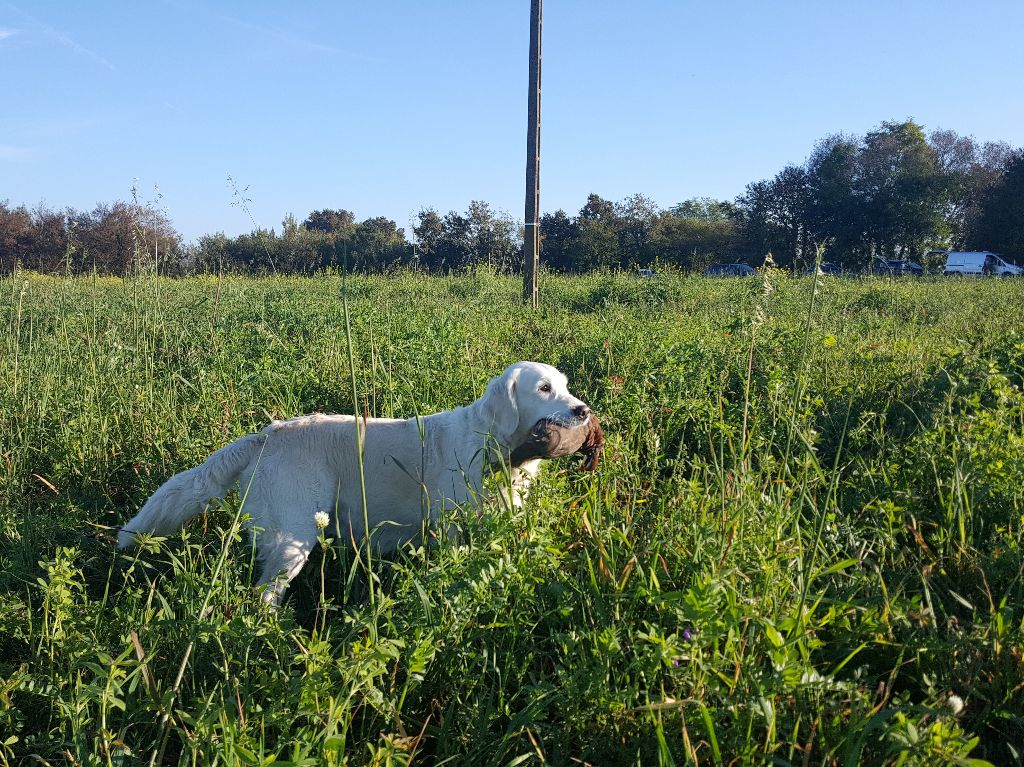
[293, 470]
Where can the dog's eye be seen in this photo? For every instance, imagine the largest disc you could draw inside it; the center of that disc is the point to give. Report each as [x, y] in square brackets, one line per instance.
[545, 387]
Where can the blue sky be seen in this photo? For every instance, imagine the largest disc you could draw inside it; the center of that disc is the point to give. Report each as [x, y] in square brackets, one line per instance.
[386, 107]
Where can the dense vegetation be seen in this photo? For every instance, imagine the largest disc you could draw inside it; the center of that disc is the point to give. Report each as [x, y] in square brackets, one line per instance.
[894, 192]
[803, 545]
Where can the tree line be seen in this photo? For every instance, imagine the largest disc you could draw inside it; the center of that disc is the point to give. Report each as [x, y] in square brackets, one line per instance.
[894, 192]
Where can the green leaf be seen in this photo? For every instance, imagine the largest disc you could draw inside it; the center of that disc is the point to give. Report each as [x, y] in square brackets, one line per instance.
[838, 567]
[773, 635]
[245, 755]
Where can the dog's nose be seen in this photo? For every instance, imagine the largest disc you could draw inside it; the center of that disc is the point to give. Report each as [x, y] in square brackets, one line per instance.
[580, 411]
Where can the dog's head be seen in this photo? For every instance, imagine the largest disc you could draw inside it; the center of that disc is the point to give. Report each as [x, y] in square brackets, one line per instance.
[529, 407]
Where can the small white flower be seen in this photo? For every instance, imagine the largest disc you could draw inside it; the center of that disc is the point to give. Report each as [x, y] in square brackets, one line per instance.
[322, 519]
[955, 704]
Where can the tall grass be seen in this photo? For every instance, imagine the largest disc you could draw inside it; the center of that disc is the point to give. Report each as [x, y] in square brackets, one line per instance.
[803, 545]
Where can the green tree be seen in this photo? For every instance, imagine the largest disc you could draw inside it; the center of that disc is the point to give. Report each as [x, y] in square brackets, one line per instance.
[458, 241]
[118, 238]
[835, 215]
[1000, 225]
[903, 190]
[971, 171]
[597, 236]
[377, 245]
[596, 246]
[457, 248]
[492, 238]
[775, 217]
[329, 221]
[428, 230]
[211, 254]
[637, 218]
[692, 236]
[15, 236]
[706, 209]
[558, 235]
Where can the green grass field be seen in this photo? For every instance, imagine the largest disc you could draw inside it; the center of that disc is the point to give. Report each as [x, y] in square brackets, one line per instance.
[803, 545]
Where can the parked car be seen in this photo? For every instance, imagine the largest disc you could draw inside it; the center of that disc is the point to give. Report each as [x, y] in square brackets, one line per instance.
[897, 267]
[647, 274]
[729, 270]
[826, 267]
[963, 263]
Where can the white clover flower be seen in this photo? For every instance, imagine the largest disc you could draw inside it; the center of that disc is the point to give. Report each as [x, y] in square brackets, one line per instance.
[322, 519]
[955, 704]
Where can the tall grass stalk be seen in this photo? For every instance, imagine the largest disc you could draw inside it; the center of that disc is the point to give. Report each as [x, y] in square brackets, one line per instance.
[366, 544]
[800, 378]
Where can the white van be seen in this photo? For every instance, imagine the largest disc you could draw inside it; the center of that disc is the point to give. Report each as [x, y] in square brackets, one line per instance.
[978, 262]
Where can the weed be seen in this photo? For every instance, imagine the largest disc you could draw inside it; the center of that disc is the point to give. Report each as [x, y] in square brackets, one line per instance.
[803, 546]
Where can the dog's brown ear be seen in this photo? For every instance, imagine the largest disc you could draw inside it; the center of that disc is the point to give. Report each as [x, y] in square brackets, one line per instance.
[593, 445]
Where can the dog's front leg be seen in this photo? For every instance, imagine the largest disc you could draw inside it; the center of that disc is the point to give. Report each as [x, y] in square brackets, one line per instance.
[514, 491]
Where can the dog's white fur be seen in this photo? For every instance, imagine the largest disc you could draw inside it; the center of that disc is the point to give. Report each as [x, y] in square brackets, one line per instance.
[295, 468]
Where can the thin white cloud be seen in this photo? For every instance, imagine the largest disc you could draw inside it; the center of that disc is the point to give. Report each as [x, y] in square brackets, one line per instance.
[278, 34]
[14, 153]
[6, 33]
[63, 39]
[293, 40]
[70, 44]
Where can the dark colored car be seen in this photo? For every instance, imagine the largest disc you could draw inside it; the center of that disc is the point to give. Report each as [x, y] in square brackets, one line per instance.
[897, 268]
[826, 267]
[729, 270]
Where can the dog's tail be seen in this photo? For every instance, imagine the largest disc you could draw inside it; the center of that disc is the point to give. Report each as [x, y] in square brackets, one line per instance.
[186, 494]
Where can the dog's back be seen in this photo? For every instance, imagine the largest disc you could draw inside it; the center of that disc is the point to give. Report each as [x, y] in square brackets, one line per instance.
[295, 469]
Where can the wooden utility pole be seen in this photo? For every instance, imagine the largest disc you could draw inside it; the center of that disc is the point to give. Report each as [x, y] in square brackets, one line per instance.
[531, 237]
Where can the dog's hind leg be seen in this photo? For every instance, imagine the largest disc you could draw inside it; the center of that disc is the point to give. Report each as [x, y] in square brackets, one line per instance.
[282, 556]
